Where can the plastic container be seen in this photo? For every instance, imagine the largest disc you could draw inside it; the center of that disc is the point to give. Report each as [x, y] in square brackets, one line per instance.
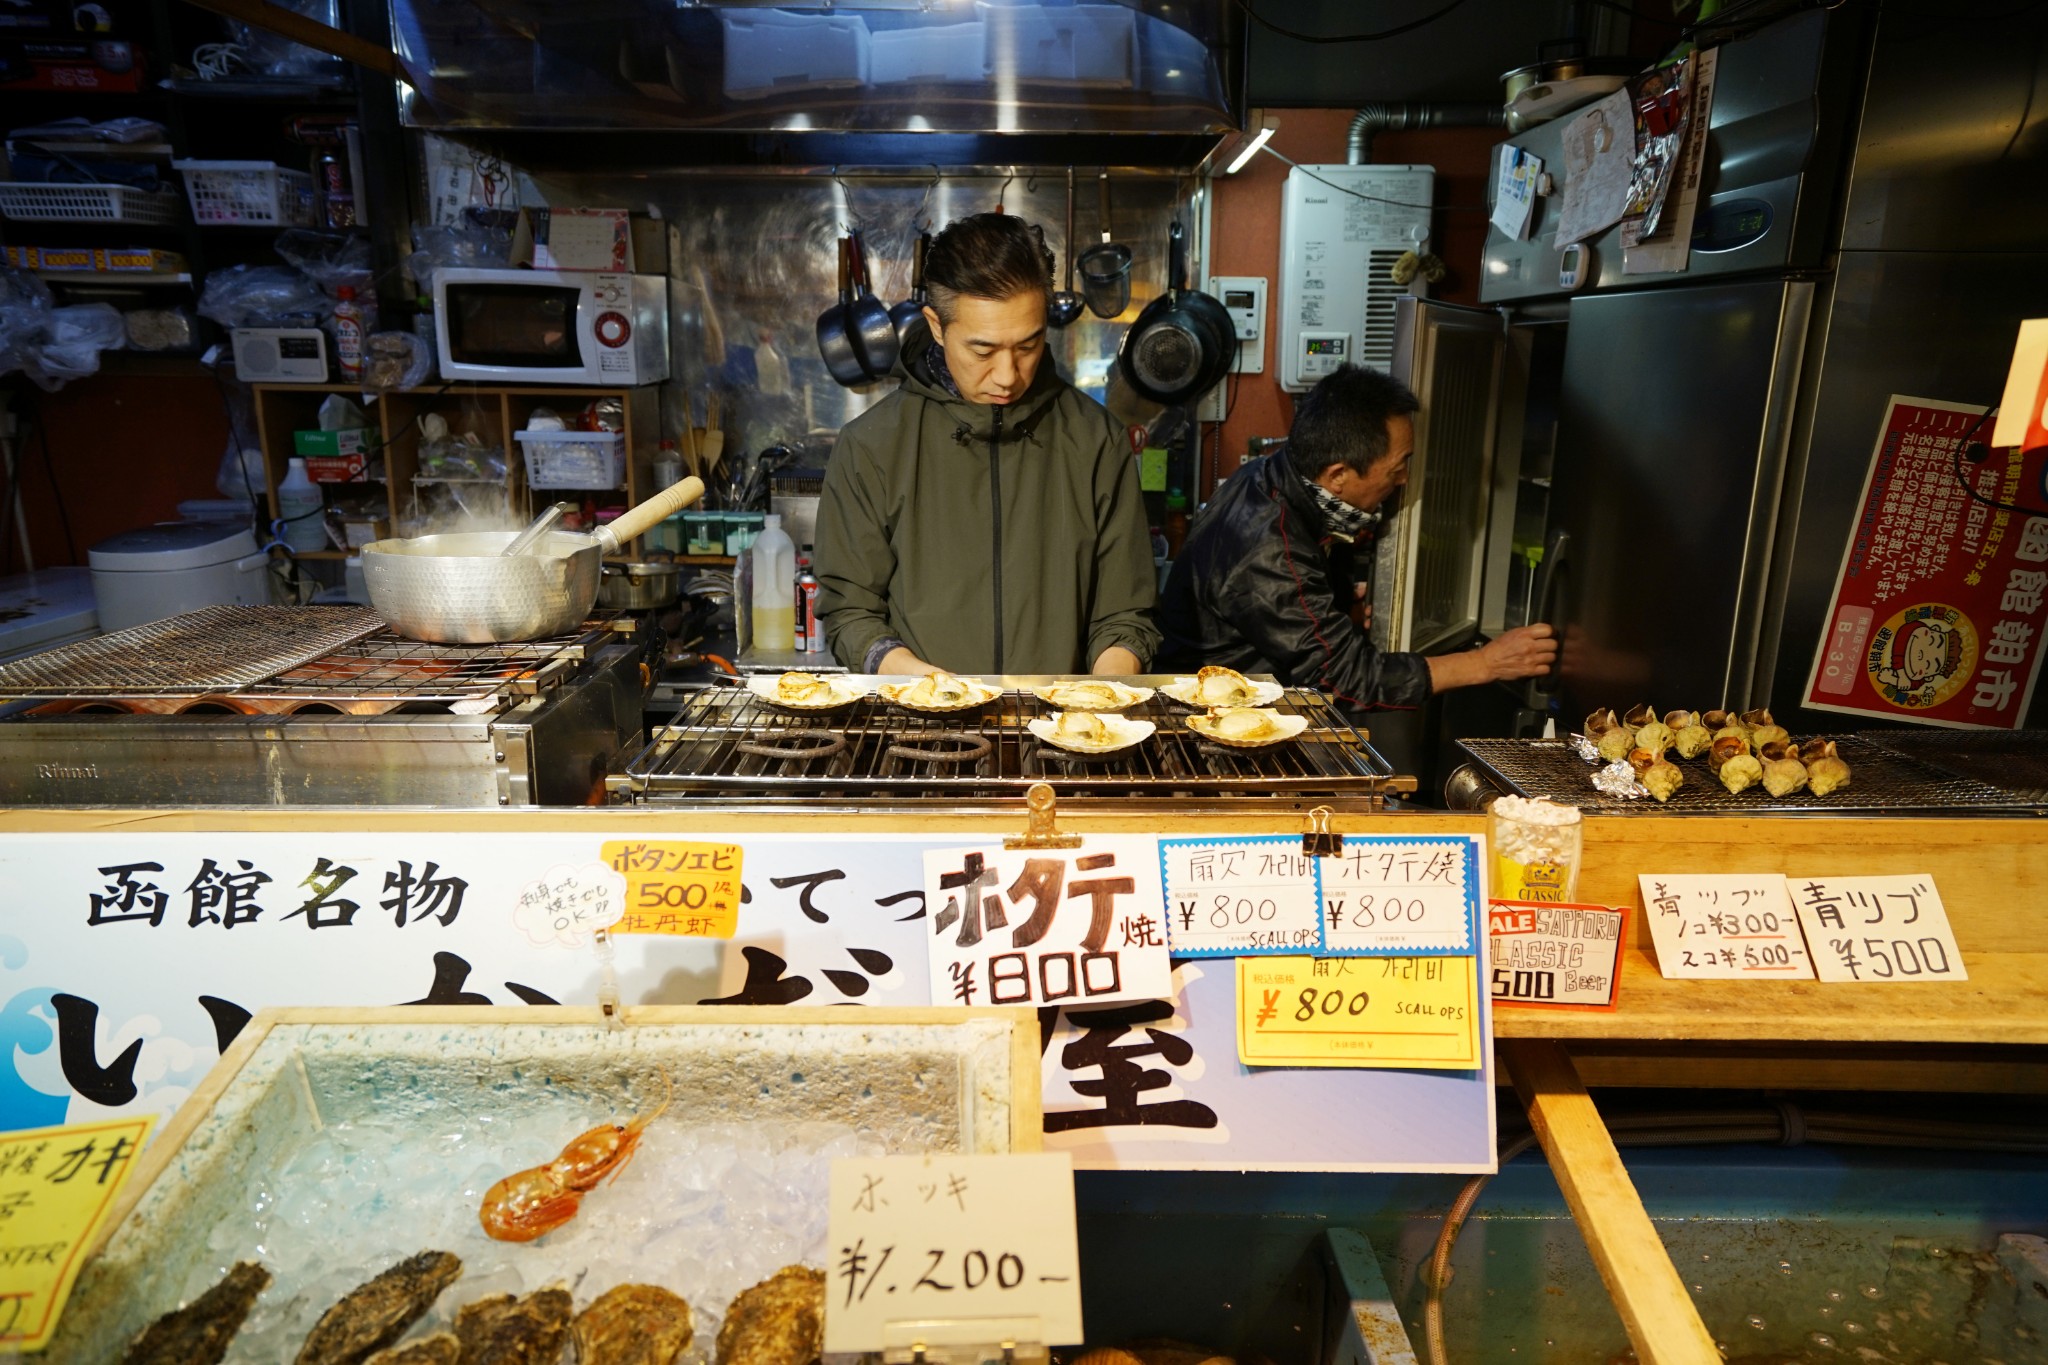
[1536, 847]
[299, 507]
[668, 535]
[706, 532]
[573, 459]
[348, 334]
[740, 530]
[249, 192]
[774, 588]
[668, 466]
[39, 203]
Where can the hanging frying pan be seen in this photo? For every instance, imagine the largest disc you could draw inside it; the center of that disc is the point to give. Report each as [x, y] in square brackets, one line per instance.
[1182, 343]
[835, 327]
[912, 308]
[874, 335]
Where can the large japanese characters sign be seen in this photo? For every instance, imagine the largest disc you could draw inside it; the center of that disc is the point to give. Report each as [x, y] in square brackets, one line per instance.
[133, 959]
[1942, 594]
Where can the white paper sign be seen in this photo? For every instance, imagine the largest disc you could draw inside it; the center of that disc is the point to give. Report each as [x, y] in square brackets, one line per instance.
[1877, 928]
[1514, 191]
[1231, 897]
[1062, 926]
[1599, 156]
[1544, 953]
[1394, 897]
[1727, 926]
[940, 1239]
[569, 904]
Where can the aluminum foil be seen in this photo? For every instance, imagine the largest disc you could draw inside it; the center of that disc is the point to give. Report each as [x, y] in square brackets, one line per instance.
[1585, 748]
[1619, 779]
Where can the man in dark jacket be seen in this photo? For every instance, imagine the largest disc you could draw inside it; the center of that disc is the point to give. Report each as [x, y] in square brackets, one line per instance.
[985, 517]
[1265, 582]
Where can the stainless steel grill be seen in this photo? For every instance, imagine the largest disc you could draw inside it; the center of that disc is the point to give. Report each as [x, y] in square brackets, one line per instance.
[726, 745]
[1881, 782]
[2015, 761]
[215, 649]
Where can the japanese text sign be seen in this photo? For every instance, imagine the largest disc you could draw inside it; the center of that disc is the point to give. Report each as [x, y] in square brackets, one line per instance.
[1877, 928]
[1393, 896]
[672, 887]
[1420, 1012]
[1036, 927]
[1942, 593]
[569, 904]
[943, 1238]
[1725, 926]
[1556, 956]
[56, 1187]
[1224, 897]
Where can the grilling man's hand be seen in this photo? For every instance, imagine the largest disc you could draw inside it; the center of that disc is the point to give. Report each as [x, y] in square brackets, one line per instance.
[1524, 652]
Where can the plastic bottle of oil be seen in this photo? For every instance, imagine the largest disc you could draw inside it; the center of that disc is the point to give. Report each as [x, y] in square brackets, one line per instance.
[774, 588]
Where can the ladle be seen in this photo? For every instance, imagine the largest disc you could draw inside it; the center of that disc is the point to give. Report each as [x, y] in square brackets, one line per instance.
[524, 542]
[1066, 305]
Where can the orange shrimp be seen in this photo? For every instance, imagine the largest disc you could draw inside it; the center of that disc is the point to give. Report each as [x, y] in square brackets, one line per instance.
[530, 1203]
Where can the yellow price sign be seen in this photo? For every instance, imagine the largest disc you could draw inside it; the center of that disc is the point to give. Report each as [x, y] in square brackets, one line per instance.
[673, 887]
[1416, 1012]
[56, 1187]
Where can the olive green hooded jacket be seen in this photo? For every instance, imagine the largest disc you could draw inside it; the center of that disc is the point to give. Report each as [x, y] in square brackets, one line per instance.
[987, 539]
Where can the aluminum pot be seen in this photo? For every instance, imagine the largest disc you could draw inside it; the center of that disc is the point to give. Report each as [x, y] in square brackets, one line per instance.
[462, 588]
[639, 587]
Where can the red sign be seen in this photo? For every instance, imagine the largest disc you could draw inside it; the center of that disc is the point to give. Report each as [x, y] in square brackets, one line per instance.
[1942, 595]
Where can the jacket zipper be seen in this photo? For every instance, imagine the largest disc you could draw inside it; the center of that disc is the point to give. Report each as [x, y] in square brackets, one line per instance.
[995, 502]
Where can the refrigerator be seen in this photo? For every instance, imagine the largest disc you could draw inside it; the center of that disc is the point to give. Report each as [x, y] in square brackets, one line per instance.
[1679, 457]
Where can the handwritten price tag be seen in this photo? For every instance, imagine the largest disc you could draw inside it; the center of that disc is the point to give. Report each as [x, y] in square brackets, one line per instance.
[569, 904]
[985, 1240]
[56, 1186]
[1228, 897]
[1725, 927]
[687, 889]
[1556, 956]
[1419, 1012]
[1391, 896]
[1878, 928]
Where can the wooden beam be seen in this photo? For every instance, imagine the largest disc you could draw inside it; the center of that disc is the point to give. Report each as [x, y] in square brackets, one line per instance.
[1663, 1325]
[308, 33]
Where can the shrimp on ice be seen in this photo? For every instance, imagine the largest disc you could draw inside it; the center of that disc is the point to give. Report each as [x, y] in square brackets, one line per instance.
[530, 1203]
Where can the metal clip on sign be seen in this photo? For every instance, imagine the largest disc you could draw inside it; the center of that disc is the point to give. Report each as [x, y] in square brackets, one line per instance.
[1319, 840]
[1042, 829]
[965, 1341]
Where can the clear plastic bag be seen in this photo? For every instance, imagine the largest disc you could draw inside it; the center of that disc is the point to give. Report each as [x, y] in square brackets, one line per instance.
[269, 54]
[330, 260]
[465, 247]
[396, 360]
[77, 336]
[262, 296]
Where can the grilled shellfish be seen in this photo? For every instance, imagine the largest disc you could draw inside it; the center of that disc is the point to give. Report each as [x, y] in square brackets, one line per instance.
[1247, 727]
[1689, 735]
[939, 692]
[1661, 778]
[1783, 772]
[1216, 686]
[1741, 772]
[1092, 694]
[1826, 772]
[1089, 732]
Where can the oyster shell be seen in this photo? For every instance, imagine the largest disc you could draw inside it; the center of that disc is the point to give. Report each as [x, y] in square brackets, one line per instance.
[442, 1348]
[199, 1332]
[503, 1330]
[1741, 772]
[377, 1312]
[633, 1324]
[780, 1321]
[1247, 727]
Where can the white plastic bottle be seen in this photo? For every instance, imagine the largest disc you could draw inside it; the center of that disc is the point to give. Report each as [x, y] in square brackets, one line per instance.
[348, 334]
[774, 588]
[299, 505]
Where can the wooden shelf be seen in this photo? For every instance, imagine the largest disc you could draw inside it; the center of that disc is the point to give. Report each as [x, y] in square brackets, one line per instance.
[704, 559]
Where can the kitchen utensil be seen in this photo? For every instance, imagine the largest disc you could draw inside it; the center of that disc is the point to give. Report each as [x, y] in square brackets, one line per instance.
[1177, 350]
[874, 335]
[524, 542]
[904, 314]
[835, 328]
[460, 588]
[1106, 267]
[639, 587]
[1066, 305]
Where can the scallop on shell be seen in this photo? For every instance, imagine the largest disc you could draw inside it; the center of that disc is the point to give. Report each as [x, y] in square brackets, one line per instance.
[940, 692]
[1092, 694]
[807, 691]
[1247, 727]
[1213, 687]
[1090, 732]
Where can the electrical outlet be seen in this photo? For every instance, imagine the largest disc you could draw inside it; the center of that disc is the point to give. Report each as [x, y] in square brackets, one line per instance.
[1244, 298]
[1211, 407]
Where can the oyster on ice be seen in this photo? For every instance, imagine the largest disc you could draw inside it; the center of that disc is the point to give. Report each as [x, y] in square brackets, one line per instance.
[442, 1348]
[199, 1332]
[504, 1330]
[780, 1321]
[633, 1324]
[377, 1312]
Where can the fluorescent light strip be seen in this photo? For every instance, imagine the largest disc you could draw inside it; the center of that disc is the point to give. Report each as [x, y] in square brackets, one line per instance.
[1251, 149]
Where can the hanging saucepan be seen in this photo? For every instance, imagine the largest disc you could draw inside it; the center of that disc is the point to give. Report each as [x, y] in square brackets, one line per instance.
[874, 335]
[1181, 345]
[1106, 267]
[462, 589]
[835, 327]
[912, 308]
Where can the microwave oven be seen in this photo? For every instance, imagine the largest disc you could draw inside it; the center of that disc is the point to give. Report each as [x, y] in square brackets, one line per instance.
[551, 327]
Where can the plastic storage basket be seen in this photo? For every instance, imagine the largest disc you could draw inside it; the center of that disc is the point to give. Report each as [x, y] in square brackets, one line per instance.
[258, 193]
[41, 203]
[573, 459]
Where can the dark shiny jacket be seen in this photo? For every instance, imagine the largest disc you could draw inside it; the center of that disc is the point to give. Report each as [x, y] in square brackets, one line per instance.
[1262, 587]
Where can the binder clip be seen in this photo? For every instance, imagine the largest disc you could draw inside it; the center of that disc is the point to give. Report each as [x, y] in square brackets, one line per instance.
[1319, 840]
[1041, 827]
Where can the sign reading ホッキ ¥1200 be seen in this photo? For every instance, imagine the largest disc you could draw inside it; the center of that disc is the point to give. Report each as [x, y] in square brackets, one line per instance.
[1942, 595]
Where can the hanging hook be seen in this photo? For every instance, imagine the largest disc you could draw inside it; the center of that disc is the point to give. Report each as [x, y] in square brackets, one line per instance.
[1004, 192]
[1031, 183]
[921, 221]
[853, 215]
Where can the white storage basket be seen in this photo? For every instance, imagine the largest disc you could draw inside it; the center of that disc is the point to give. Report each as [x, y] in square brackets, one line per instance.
[47, 203]
[574, 459]
[258, 193]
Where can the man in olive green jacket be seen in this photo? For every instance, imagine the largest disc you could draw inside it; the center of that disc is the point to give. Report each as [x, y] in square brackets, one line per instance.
[985, 517]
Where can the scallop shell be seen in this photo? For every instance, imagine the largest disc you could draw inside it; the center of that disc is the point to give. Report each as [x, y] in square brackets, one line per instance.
[1107, 695]
[1182, 690]
[1279, 728]
[1123, 732]
[842, 690]
[977, 694]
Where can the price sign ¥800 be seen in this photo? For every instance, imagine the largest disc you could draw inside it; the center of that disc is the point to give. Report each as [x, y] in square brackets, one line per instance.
[940, 1238]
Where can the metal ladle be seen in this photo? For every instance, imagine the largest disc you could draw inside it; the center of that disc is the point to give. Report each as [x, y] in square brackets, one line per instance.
[524, 542]
[1066, 305]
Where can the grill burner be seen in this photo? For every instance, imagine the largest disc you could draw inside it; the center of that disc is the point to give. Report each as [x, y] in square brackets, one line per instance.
[947, 746]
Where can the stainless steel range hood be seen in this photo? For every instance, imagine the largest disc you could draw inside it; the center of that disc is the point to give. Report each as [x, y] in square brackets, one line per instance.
[869, 82]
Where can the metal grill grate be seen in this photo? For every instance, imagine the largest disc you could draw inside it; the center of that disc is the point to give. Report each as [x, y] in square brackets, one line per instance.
[2015, 761]
[216, 649]
[1881, 782]
[385, 666]
[720, 744]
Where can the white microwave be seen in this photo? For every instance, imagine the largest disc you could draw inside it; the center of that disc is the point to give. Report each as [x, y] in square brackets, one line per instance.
[551, 327]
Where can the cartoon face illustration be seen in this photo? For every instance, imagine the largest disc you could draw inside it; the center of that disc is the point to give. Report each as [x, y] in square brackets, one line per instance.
[1922, 656]
[1925, 652]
